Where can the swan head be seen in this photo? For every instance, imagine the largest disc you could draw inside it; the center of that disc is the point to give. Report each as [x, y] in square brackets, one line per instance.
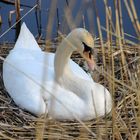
[82, 41]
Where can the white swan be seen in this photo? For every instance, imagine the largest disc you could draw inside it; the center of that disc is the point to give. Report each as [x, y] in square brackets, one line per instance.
[73, 89]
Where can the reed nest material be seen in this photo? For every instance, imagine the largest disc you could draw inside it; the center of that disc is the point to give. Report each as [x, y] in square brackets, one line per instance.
[121, 80]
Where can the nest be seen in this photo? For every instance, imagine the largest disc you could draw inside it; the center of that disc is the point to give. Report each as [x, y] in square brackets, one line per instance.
[121, 79]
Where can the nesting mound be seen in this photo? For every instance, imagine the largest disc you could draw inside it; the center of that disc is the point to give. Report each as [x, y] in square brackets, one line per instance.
[118, 70]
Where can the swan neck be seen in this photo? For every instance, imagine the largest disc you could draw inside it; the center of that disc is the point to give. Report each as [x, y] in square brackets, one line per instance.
[65, 76]
[62, 57]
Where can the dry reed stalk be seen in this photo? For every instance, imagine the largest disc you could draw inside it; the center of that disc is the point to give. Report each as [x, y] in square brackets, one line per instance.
[132, 17]
[5, 136]
[40, 127]
[67, 12]
[5, 32]
[131, 36]
[17, 7]
[0, 20]
[108, 34]
[121, 20]
[9, 2]
[135, 16]
[97, 119]
[138, 116]
[110, 28]
[112, 83]
[38, 17]
[78, 17]
[58, 21]
[119, 42]
[115, 35]
[52, 12]
[110, 67]
[68, 15]
[123, 60]
[100, 33]
[83, 21]
[109, 14]
[91, 19]
[10, 16]
[67, 2]
[120, 45]
[74, 22]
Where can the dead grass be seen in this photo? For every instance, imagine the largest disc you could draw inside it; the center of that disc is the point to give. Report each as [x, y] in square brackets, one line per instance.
[122, 123]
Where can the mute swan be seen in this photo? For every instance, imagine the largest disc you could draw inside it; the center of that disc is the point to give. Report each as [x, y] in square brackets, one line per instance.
[72, 88]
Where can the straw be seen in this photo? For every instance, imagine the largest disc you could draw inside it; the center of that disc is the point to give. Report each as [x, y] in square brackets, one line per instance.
[100, 32]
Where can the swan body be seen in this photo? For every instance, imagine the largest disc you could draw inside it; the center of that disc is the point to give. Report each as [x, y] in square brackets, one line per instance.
[40, 81]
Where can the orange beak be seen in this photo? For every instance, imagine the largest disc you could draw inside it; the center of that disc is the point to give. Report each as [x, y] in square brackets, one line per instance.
[89, 59]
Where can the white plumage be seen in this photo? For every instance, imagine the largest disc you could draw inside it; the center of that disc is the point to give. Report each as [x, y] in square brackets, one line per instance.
[30, 75]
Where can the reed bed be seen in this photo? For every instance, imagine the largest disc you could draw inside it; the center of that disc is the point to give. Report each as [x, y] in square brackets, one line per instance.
[122, 123]
[118, 69]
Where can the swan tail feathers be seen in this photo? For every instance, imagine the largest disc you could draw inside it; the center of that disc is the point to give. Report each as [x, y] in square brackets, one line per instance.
[26, 39]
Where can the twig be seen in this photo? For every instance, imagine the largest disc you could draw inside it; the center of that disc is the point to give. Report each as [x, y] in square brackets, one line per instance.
[17, 21]
[100, 32]
[135, 15]
[13, 3]
[58, 21]
[0, 20]
[51, 17]
[109, 14]
[132, 18]
[17, 7]
[38, 17]
[67, 2]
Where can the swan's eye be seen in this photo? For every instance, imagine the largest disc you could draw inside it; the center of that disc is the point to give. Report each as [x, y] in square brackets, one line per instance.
[88, 50]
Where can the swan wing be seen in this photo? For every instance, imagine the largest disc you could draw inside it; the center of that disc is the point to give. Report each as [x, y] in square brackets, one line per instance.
[28, 48]
[47, 58]
[23, 78]
[26, 40]
[28, 92]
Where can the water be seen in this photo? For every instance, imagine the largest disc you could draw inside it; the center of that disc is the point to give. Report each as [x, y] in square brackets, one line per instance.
[30, 20]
